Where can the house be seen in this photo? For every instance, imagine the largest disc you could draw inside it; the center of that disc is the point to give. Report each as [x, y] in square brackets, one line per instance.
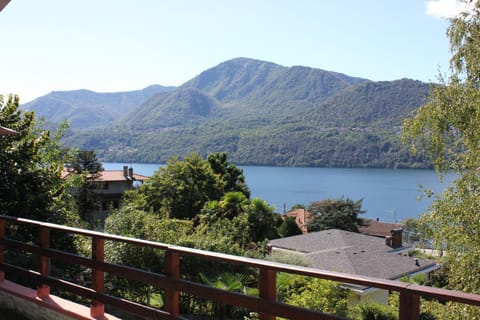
[357, 254]
[113, 183]
[302, 218]
[379, 228]
[110, 186]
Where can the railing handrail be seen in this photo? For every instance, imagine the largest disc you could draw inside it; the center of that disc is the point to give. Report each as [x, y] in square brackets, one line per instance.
[409, 293]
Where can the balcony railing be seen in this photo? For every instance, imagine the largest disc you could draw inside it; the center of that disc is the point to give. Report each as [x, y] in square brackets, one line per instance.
[172, 284]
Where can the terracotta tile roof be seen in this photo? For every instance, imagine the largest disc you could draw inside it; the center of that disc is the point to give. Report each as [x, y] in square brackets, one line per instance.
[65, 173]
[379, 228]
[111, 175]
[302, 218]
[117, 175]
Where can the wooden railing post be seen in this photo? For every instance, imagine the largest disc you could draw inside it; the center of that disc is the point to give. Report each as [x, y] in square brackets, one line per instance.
[43, 291]
[2, 248]
[172, 270]
[267, 289]
[409, 306]
[97, 309]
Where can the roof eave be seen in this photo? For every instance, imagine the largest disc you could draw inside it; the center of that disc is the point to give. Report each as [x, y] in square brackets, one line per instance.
[3, 4]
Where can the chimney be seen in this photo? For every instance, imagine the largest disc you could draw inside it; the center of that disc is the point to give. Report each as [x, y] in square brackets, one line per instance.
[125, 171]
[396, 236]
[388, 241]
[130, 172]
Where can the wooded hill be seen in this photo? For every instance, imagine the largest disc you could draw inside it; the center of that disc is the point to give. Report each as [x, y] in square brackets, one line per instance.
[85, 109]
[260, 113]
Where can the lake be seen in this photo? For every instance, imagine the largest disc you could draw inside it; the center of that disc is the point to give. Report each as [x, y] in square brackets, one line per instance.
[390, 195]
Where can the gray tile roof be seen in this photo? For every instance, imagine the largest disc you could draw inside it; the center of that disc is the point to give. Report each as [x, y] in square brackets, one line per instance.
[353, 253]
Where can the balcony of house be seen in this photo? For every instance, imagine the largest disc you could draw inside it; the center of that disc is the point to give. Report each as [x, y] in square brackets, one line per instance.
[33, 287]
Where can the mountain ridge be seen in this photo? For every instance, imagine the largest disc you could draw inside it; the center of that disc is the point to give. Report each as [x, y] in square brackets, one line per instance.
[262, 113]
[87, 109]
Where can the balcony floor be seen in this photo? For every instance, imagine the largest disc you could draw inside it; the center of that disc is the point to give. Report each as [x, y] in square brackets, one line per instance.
[11, 315]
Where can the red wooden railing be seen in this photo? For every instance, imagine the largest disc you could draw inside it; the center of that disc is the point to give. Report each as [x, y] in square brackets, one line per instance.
[265, 304]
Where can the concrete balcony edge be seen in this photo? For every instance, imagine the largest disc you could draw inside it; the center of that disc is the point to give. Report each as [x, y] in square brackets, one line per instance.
[25, 301]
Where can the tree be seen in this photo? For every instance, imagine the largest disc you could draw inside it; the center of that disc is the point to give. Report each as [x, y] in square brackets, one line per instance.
[373, 310]
[262, 220]
[181, 188]
[335, 214]
[230, 206]
[131, 222]
[414, 232]
[231, 174]
[31, 162]
[297, 206]
[86, 165]
[446, 128]
[288, 228]
[85, 161]
[229, 282]
[321, 295]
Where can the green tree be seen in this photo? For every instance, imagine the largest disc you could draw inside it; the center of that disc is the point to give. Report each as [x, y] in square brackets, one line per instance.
[85, 161]
[297, 206]
[31, 162]
[88, 199]
[321, 295]
[415, 232]
[86, 165]
[229, 282]
[230, 206]
[337, 213]
[181, 188]
[373, 311]
[231, 174]
[446, 127]
[288, 228]
[132, 222]
[262, 220]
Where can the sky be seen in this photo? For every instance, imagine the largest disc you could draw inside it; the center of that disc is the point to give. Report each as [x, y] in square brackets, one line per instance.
[123, 45]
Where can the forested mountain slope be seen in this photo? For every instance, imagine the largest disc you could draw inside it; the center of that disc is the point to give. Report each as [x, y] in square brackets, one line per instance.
[260, 83]
[86, 109]
[265, 114]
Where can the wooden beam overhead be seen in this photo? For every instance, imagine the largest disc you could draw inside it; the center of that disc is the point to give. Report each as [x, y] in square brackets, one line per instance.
[5, 131]
[3, 4]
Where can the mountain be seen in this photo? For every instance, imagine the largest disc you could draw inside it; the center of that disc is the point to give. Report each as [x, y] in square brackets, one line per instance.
[262, 113]
[172, 109]
[86, 109]
[263, 83]
[240, 89]
[372, 104]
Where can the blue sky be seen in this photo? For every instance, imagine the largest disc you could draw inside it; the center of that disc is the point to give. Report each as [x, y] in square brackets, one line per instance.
[120, 45]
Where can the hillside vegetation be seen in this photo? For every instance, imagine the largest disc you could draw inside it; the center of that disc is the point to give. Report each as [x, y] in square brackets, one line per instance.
[85, 109]
[261, 113]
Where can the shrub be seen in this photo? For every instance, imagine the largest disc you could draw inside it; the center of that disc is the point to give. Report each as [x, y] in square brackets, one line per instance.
[373, 311]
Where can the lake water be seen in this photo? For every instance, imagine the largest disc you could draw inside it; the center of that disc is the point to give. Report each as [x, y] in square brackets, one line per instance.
[390, 195]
